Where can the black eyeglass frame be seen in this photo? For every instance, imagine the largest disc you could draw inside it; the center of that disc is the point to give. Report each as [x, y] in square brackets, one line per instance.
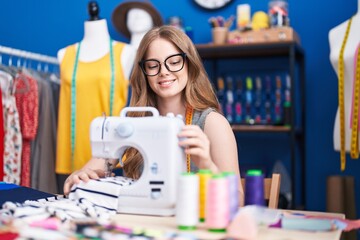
[142, 64]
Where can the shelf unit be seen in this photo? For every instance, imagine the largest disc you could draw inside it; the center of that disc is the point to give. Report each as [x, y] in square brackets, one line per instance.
[295, 60]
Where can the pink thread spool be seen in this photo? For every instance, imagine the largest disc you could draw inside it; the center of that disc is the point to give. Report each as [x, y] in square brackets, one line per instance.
[217, 205]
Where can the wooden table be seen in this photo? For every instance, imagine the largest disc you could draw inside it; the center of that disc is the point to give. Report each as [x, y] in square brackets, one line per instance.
[169, 224]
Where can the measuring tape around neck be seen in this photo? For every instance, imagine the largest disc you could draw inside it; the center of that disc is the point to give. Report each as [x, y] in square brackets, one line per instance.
[188, 120]
[73, 96]
[341, 98]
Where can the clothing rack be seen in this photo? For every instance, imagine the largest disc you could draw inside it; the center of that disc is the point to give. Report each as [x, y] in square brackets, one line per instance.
[28, 55]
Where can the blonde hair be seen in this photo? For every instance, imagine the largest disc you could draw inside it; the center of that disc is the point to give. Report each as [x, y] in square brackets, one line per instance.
[198, 93]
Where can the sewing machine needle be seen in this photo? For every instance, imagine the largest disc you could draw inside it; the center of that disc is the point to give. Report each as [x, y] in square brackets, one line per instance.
[108, 167]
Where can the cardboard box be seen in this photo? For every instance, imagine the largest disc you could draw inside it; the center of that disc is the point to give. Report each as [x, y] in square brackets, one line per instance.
[271, 35]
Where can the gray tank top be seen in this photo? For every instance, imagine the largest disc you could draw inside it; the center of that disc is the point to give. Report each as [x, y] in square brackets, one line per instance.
[199, 118]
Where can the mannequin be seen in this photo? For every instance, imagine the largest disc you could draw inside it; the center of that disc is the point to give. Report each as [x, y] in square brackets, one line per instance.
[134, 18]
[336, 37]
[94, 81]
[95, 42]
[138, 22]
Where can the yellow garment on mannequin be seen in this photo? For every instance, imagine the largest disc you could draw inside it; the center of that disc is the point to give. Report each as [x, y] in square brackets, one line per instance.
[92, 100]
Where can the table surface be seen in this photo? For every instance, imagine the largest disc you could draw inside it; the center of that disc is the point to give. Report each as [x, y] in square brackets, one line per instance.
[169, 224]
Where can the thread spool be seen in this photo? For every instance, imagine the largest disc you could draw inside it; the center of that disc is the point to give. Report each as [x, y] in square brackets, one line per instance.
[233, 191]
[254, 188]
[187, 201]
[217, 204]
[204, 176]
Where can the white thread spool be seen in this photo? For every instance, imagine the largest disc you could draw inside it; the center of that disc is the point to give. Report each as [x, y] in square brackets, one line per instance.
[187, 201]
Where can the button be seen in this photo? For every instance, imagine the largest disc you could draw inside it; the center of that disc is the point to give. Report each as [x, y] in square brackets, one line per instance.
[154, 168]
[155, 195]
[125, 130]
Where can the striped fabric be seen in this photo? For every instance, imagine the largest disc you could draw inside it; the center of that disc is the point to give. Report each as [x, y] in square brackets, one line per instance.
[96, 199]
[102, 192]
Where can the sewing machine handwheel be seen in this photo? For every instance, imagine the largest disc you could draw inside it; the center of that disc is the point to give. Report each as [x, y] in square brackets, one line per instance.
[153, 110]
[125, 130]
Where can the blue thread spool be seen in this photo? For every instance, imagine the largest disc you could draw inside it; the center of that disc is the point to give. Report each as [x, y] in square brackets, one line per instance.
[254, 188]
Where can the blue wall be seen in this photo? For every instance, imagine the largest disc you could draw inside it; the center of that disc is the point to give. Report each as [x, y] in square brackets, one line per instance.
[45, 26]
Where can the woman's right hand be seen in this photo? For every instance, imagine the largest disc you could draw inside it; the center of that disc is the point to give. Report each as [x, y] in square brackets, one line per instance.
[84, 174]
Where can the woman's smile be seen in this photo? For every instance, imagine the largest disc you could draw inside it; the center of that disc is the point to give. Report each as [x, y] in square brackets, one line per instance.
[166, 83]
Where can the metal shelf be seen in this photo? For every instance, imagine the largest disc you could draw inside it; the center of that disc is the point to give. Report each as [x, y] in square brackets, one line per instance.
[293, 52]
[211, 51]
[260, 128]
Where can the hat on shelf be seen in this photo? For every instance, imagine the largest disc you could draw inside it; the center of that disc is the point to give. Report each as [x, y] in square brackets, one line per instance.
[120, 13]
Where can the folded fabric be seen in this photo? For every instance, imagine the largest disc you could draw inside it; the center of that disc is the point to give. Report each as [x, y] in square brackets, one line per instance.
[6, 186]
[307, 224]
[102, 192]
[243, 226]
[95, 199]
[316, 223]
[15, 193]
[344, 224]
[62, 208]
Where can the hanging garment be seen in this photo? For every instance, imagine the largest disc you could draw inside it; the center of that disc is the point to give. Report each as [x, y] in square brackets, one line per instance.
[43, 151]
[1, 139]
[12, 132]
[26, 95]
[55, 92]
[92, 100]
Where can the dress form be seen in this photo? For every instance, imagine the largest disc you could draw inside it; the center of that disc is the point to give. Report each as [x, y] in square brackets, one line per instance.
[95, 43]
[139, 22]
[336, 37]
[94, 81]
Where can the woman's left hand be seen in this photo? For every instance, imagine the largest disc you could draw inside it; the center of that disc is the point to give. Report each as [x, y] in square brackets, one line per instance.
[196, 143]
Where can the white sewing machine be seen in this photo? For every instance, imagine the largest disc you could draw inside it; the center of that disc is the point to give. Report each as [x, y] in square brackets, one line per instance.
[155, 137]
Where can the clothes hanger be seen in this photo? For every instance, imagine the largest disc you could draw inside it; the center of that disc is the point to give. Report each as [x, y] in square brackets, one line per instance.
[6, 81]
[19, 76]
[49, 75]
[6, 68]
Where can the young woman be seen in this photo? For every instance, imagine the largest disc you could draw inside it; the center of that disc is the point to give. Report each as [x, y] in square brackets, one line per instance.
[170, 76]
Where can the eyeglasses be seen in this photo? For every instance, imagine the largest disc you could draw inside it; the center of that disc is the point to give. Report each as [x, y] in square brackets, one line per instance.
[173, 63]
